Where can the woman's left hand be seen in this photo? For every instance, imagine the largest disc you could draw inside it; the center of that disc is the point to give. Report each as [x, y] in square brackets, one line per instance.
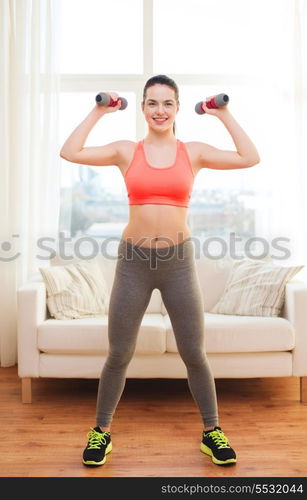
[219, 112]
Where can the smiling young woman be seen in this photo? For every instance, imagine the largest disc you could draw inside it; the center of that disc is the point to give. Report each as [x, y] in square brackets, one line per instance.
[159, 173]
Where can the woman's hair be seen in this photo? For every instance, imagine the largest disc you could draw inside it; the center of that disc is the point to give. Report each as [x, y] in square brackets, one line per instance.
[163, 80]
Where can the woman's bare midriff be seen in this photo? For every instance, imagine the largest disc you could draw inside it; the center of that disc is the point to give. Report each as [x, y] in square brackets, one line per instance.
[155, 225]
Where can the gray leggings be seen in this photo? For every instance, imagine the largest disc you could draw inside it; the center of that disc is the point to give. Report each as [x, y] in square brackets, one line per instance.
[139, 270]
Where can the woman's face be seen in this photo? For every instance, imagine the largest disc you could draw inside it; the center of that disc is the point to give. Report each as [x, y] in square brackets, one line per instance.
[160, 107]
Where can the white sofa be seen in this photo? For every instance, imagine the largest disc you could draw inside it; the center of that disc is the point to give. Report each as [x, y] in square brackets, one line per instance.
[237, 346]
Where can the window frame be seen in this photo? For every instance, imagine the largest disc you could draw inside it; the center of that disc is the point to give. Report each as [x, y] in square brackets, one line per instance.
[135, 82]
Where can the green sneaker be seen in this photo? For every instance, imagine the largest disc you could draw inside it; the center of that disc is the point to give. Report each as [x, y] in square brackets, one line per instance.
[216, 445]
[98, 446]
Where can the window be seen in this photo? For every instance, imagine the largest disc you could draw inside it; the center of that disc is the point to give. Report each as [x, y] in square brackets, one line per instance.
[208, 46]
[101, 37]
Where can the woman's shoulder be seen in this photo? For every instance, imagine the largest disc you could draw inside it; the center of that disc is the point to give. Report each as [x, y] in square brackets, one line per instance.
[194, 149]
[126, 143]
[125, 146]
[193, 145]
[126, 151]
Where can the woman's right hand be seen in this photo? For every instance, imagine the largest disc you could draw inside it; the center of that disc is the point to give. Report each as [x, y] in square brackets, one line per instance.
[110, 109]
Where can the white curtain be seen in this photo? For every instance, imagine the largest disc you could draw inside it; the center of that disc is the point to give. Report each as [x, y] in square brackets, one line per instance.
[30, 164]
[288, 204]
[300, 130]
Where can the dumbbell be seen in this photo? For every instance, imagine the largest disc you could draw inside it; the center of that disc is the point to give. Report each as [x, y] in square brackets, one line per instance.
[216, 101]
[103, 99]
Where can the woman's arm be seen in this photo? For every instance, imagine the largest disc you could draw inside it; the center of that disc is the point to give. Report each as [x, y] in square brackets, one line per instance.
[246, 154]
[73, 149]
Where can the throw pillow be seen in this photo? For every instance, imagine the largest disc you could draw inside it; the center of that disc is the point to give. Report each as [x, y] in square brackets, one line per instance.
[75, 290]
[255, 288]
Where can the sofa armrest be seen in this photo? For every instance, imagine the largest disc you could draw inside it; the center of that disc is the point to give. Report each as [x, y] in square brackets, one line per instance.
[295, 310]
[31, 311]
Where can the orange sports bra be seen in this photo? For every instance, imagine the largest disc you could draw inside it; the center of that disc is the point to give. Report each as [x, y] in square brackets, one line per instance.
[159, 186]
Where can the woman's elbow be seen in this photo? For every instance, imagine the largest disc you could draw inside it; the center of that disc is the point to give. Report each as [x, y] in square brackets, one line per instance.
[254, 161]
[62, 154]
[257, 160]
[65, 155]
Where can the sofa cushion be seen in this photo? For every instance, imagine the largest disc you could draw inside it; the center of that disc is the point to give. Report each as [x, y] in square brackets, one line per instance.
[213, 275]
[90, 336]
[255, 288]
[107, 262]
[75, 290]
[240, 334]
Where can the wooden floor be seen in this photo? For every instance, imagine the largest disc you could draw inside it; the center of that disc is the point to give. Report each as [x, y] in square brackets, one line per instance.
[156, 430]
